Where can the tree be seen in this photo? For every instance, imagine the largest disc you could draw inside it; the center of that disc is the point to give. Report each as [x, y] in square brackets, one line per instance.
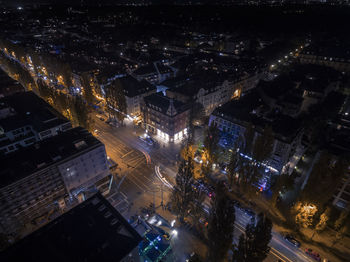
[324, 179]
[247, 179]
[88, 94]
[248, 139]
[341, 233]
[183, 193]
[221, 225]
[240, 252]
[210, 142]
[263, 145]
[115, 99]
[80, 113]
[341, 219]
[66, 72]
[322, 223]
[254, 245]
[283, 183]
[196, 206]
[305, 213]
[233, 166]
[44, 91]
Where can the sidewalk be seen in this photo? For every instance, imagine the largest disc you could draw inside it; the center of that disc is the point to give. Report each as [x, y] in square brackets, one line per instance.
[185, 242]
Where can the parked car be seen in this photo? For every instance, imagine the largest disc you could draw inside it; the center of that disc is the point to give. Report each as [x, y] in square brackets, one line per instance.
[313, 254]
[292, 240]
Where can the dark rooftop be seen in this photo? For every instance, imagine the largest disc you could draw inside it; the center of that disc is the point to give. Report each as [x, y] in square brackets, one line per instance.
[145, 70]
[30, 110]
[162, 104]
[247, 109]
[92, 231]
[25, 161]
[8, 86]
[132, 87]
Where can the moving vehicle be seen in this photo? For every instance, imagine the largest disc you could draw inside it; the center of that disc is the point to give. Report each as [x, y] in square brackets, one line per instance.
[292, 240]
[147, 139]
[313, 254]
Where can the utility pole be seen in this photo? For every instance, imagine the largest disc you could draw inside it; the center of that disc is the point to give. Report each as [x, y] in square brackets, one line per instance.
[161, 189]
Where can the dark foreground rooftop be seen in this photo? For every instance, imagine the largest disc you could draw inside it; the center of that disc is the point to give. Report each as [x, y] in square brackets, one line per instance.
[91, 231]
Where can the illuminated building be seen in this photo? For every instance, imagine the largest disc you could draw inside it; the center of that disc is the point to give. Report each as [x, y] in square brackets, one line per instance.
[165, 117]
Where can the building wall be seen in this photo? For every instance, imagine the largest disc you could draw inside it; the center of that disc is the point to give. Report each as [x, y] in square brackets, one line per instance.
[166, 126]
[134, 103]
[34, 196]
[282, 151]
[342, 196]
[83, 170]
[29, 198]
[26, 135]
[340, 64]
[220, 94]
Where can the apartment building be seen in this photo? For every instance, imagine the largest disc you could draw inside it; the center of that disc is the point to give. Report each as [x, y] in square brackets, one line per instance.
[26, 119]
[165, 117]
[234, 117]
[36, 178]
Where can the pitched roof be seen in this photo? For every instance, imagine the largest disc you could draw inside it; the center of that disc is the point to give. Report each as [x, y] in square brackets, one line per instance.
[164, 104]
[132, 87]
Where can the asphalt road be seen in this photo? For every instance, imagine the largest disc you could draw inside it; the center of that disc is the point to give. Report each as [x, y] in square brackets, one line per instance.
[280, 248]
[137, 161]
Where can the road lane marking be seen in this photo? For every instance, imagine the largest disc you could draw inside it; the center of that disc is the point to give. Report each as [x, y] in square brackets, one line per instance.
[280, 254]
[139, 180]
[131, 151]
[276, 255]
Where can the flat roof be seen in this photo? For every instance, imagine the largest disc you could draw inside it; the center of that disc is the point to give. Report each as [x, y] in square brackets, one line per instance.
[92, 231]
[27, 160]
[30, 110]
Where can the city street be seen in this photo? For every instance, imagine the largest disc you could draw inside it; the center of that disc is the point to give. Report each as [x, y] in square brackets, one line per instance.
[137, 161]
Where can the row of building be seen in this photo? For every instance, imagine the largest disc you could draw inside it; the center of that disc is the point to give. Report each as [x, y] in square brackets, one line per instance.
[46, 165]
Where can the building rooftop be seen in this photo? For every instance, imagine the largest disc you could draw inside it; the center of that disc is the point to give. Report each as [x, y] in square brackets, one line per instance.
[145, 70]
[132, 87]
[251, 109]
[8, 86]
[25, 161]
[30, 110]
[92, 231]
[165, 104]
